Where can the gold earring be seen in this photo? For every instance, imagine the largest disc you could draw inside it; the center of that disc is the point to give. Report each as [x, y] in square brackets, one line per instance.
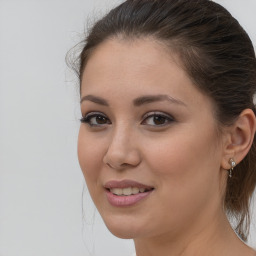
[233, 165]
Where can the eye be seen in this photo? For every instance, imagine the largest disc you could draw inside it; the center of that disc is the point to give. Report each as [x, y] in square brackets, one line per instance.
[95, 119]
[157, 119]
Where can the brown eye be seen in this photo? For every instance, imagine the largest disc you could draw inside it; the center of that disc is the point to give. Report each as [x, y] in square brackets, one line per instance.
[157, 120]
[95, 119]
[100, 119]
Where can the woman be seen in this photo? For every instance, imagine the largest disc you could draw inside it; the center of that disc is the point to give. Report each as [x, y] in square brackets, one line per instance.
[166, 143]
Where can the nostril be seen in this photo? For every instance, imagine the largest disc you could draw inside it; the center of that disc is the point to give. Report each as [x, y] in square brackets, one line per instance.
[117, 159]
[108, 164]
[119, 166]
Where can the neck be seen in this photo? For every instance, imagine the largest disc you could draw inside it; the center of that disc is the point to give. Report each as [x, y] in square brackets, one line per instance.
[214, 238]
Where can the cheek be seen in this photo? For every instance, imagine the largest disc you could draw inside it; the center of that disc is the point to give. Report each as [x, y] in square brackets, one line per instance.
[180, 152]
[90, 155]
[184, 164]
[186, 170]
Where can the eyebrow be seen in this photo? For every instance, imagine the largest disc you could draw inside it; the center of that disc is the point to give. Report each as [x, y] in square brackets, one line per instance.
[154, 98]
[146, 99]
[97, 100]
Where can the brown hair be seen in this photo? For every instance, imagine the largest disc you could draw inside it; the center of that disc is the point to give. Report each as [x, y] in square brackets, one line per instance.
[217, 54]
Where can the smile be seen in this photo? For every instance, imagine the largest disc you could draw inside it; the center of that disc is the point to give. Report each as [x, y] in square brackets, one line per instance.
[126, 192]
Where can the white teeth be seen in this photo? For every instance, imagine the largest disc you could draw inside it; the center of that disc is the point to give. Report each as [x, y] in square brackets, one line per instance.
[117, 191]
[127, 191]
[135, 191]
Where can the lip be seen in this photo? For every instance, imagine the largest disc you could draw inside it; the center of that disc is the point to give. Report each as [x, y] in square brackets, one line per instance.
[125, 201]
[125, 184]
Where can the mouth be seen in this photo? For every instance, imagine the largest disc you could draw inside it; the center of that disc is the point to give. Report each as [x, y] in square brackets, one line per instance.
[126, 192]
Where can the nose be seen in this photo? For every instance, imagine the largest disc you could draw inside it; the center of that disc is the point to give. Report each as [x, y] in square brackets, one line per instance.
[122, 151]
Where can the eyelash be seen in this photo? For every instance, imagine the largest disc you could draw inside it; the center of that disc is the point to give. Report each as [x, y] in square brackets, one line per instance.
[88, 118]
[168, 119]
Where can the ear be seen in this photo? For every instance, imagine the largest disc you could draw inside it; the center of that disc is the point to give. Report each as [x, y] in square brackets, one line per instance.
[239, 138]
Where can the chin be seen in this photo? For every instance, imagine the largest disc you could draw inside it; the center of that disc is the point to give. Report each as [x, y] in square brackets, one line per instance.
[123, 234]
[123, 227]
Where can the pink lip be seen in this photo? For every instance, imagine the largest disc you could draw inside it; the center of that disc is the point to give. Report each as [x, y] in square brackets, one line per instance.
[125, 184]
[122, 201]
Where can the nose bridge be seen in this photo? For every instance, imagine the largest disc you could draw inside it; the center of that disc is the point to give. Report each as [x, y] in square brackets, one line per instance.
[121, 134]
[122, 149]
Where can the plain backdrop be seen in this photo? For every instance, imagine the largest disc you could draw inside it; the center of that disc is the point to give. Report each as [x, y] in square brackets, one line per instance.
[42, 210]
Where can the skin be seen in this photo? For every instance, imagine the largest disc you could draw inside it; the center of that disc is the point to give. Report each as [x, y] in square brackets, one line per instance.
[184, 158]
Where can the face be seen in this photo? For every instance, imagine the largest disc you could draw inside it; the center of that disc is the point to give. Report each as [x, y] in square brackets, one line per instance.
[148, 145]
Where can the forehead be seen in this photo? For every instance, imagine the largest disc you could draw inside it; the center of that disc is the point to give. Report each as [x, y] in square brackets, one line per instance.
[125, 60]
[120, 50]
[128, 69]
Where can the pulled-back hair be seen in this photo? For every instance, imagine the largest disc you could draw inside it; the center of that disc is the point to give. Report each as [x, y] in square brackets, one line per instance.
[215, 52]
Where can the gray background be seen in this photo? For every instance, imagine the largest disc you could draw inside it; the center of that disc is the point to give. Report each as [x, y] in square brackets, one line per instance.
[41, 184]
